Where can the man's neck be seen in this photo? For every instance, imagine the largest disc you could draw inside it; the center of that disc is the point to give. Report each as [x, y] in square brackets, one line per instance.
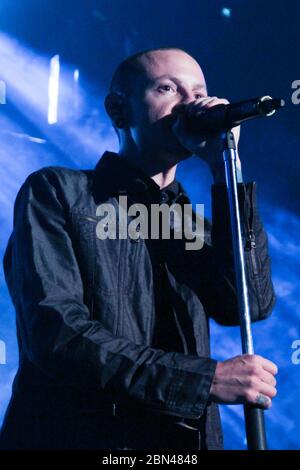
[164, 178]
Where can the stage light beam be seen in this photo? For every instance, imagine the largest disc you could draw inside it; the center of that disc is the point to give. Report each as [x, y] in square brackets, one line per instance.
[2, 92]
[53, 90]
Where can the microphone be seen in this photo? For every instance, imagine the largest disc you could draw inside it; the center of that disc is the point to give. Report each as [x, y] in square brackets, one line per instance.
[226, 116]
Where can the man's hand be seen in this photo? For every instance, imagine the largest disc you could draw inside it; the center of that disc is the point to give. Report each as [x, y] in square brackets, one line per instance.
[208, 147]
[244, 379]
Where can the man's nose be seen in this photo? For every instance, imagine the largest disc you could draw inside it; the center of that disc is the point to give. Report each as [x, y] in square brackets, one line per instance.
[188, 97]
[185, 100]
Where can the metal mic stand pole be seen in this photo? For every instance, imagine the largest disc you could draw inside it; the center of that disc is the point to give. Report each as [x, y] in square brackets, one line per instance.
[254, 416]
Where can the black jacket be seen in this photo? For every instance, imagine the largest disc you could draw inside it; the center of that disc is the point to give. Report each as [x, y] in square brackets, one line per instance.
[88, 374]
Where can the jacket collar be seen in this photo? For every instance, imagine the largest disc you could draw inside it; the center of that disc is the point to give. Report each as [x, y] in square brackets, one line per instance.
[114, 176]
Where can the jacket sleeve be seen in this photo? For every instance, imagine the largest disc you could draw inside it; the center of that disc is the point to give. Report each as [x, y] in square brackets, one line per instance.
[55, 326]
[219, 291]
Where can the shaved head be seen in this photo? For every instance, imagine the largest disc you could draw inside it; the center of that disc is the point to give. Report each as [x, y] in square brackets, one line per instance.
[125, 76]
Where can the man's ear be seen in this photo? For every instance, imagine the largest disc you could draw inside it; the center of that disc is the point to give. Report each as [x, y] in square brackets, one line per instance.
[114, 105]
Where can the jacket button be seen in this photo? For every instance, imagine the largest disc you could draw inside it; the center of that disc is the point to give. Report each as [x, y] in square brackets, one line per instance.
[163, 197]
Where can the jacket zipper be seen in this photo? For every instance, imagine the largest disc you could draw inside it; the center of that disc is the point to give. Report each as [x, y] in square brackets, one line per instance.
[251, 241]
[250, 235]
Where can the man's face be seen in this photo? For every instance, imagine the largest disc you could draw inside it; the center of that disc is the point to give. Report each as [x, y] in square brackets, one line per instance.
[169, 78]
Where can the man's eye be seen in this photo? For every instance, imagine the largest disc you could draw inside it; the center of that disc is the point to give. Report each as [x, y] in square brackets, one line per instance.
[167, 88]
[198, 96]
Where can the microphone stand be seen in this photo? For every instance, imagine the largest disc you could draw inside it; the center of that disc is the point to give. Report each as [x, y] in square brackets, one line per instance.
[254, 416]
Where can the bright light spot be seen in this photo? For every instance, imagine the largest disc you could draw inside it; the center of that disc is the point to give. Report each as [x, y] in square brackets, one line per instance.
[226, 12]
[22, 136]
[76, 76]
[2, 92]
[2, 352]
[53, 90]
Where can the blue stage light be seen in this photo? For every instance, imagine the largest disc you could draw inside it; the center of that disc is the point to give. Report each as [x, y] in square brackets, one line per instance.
[2, 92]
[53, 91]
[226, 12]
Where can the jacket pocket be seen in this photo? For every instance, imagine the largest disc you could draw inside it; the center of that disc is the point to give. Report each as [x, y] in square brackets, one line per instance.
[98, 259]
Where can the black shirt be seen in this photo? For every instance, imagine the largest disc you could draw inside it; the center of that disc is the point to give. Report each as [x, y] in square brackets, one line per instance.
[169, 193]
[167, 334]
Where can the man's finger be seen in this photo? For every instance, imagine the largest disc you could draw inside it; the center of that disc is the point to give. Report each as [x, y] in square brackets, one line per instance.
[269, 366]
[267, 390]
[262, 400]
[268, 378]
[198, 105]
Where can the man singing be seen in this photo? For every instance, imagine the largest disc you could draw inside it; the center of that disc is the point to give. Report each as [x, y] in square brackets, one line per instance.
[114, 332]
